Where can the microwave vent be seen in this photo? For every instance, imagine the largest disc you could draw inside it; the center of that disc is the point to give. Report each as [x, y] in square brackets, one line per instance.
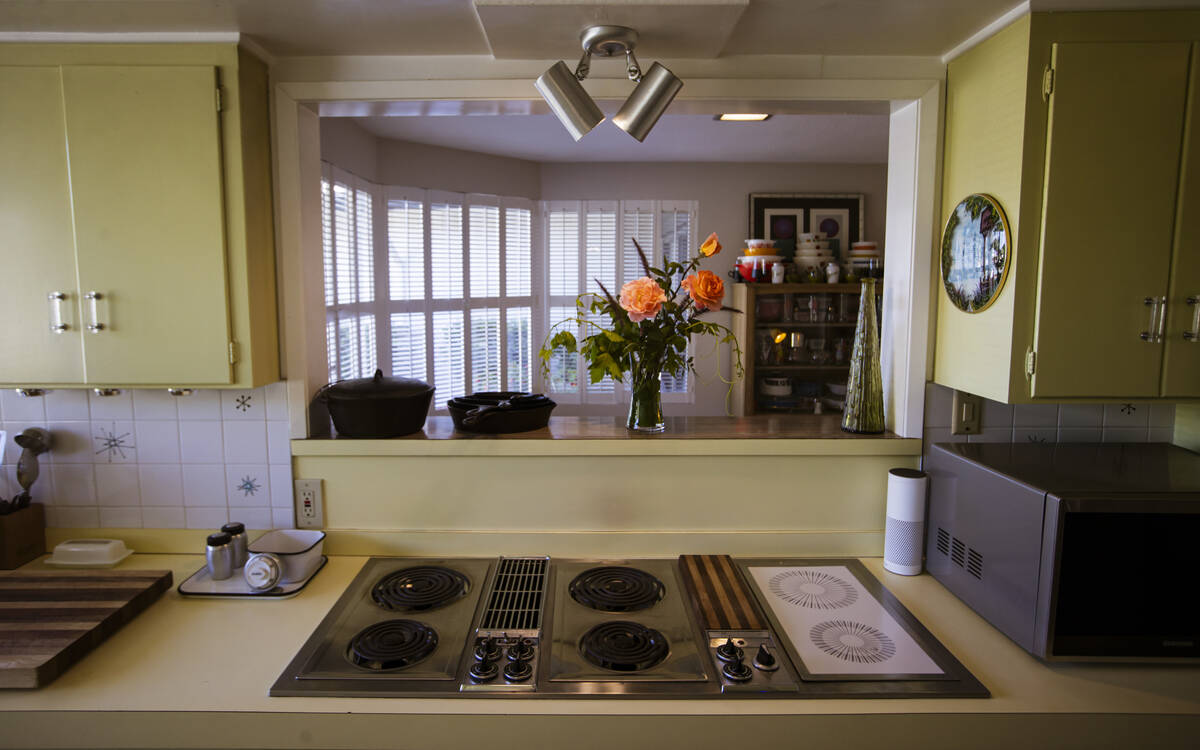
[975, 563]
[943, 541]
[958, 551]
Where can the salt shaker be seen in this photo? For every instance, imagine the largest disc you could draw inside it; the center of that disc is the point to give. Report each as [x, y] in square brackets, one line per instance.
[220, 556]
[237, 537]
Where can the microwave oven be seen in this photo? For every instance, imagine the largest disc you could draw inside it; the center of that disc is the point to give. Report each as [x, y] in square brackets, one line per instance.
[1078, 552]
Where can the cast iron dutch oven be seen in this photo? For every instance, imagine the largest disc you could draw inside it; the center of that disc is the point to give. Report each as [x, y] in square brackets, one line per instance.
[377, 407]
[498, 412]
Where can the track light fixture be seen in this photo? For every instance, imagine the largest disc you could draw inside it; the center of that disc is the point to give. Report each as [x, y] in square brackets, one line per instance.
[578, 112]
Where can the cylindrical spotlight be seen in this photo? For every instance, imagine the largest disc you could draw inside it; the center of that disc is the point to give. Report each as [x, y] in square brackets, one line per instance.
[570, 103]
[647, 102]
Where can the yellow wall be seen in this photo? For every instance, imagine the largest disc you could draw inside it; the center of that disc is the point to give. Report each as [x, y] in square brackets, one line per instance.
[1187, 426]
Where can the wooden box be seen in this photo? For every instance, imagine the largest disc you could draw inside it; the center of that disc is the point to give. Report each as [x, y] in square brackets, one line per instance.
[22, 536]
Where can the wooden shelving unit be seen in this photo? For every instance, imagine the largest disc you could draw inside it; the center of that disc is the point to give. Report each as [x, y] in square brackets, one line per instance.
[843, 298]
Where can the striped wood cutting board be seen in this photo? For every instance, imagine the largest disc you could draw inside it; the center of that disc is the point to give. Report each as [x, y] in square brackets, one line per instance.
[721, 600]
[50, 619]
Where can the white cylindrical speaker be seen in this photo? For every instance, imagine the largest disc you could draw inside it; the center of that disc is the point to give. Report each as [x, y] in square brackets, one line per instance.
[904, 534]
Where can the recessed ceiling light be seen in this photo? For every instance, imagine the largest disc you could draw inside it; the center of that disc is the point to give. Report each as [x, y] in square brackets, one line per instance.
[742, 118]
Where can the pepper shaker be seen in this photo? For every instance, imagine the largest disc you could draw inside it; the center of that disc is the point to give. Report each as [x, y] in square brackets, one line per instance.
[237, 537]
[220, 556]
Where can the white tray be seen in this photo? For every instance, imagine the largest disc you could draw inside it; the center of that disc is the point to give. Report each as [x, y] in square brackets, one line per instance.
[201, 583]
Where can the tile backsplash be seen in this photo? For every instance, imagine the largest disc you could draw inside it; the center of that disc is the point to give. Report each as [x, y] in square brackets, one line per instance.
[145, 458]
[1132, 422]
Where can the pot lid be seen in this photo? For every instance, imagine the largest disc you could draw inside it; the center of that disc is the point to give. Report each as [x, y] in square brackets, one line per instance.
[378, 386]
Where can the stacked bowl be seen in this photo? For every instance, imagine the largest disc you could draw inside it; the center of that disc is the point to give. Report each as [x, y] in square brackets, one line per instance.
[760, 256]
[813, 251]
[865, 260]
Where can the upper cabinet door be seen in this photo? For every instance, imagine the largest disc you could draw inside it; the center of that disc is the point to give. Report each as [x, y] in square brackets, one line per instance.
[1112, 166]
[1181, 363]
[145, 157]
[37, 245]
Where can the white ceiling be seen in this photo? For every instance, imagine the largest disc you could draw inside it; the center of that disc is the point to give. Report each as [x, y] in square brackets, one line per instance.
[829, 139]
[441, 27]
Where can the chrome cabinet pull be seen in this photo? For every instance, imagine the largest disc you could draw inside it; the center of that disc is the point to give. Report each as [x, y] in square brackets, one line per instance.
[1194, 334]
[1160, 333]
[1150, 334]
[93, 297]
[56, 312]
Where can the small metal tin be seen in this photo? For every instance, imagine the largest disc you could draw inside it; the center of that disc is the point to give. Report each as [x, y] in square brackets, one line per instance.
[237, 537]
[262, 571]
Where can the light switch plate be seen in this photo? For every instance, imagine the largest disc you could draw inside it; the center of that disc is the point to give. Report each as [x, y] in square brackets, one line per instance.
[965, 415]
[310, 506]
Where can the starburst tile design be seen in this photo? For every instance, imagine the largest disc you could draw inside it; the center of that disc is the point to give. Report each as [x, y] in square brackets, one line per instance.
[112, 444]
[1128, 409]
[249, 486]
[242, 403]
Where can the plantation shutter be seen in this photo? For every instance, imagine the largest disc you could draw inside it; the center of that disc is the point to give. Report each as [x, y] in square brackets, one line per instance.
[677, 243]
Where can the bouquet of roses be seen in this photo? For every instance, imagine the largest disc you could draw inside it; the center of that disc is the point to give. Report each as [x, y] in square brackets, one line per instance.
[651, 321]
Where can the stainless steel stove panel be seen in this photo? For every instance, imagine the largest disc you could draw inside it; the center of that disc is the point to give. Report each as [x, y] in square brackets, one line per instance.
[571, 620]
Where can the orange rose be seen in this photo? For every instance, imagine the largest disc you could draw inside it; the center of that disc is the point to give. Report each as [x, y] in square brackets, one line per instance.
[711, 245]
[642, 299]
[706, 290]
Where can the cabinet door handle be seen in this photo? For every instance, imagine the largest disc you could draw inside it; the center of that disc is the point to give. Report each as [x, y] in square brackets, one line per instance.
[1194, 334]
[93, 297]
[56, 312]
[1160, 333]
[1150, 335]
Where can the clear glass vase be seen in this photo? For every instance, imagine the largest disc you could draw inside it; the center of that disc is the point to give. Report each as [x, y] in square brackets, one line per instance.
[864, 391]
[645, 403]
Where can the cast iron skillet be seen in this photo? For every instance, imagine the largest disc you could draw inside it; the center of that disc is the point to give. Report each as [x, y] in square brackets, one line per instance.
[498, 412]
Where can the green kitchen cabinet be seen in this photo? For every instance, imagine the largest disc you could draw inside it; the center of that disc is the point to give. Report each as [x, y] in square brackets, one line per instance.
[136, 218]
[1085, 127]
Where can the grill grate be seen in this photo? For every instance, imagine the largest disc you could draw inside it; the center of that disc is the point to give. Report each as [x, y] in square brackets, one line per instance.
[516, 600]
[975, 563]
[943, 541]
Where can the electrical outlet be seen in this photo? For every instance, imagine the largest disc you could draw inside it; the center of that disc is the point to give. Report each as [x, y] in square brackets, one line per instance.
[966, 417]
[310, 508]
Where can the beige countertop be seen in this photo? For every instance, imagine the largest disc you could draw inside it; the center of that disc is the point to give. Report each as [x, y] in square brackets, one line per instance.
[189, 663]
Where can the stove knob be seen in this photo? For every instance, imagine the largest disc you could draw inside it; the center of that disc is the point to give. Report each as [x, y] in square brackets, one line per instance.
[729, 651]
[521, 650]
[487, 649]
[484, 671]
[765, 660]
[518, 671]
[737, 671]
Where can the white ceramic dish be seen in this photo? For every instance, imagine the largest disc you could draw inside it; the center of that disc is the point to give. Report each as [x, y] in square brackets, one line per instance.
[298, 550]
[89, 553]
[776, 386]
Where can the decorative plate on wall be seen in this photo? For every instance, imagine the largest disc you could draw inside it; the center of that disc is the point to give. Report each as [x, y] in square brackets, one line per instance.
[975, 253]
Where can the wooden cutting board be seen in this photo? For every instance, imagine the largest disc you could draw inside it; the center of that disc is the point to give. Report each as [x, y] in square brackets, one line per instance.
[50, 619]
[717, 591]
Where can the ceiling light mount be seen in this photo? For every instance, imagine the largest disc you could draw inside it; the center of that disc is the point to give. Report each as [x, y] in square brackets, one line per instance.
[608, 41]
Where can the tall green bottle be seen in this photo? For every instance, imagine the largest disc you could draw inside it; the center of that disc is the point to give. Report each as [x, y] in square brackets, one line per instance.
[864, 391]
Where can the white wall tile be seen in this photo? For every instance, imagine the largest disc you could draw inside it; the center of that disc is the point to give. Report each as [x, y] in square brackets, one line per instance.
[1126, 434]
[1162, 434]
[204, 485]
[160, 484]
[154, 403]
[281, 487]
[279, 446]
[253, 518]
[201, 442]
[277, 401]
[121, 518]
[164, 517]
[1162, 415]
[938, 405]
[61, 517]
[1035, 434]
[1127, 415]
[283, 518]
[18, 408]
[72, 443]
[67, 404]
[117, 484]
[111, 408]
[114, 442]
[206, 518]
[1079, 434]
[201, 404]
[996, 414]
[245, 442]
[248, 485]
[992, 435]
[244, 405]
[158, 442]
[1035, 415]
[1080, 415]
[73, 484]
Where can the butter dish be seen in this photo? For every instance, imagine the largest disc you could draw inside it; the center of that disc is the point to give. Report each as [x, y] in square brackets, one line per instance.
[89, 553]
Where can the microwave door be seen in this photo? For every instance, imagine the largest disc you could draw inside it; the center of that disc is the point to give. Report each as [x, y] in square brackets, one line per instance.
[1122, 583]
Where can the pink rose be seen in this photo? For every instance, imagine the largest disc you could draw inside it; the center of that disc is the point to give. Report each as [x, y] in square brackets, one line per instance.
[642, 299]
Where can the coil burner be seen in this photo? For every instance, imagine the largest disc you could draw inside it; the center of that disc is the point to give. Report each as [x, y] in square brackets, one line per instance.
[624, 646]
[420, 588]
[392, 644]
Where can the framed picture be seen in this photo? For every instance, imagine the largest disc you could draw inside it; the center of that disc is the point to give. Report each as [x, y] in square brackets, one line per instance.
[975, 253]
[784, 216]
